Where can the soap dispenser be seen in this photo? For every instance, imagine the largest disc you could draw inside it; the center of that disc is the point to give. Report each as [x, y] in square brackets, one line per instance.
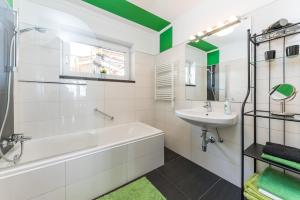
[227, 107]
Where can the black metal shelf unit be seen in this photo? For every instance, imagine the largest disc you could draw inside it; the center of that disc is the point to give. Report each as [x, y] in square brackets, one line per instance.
[255, 150]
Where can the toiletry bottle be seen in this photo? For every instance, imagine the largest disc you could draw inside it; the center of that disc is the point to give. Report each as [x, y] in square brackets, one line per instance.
[227, 107]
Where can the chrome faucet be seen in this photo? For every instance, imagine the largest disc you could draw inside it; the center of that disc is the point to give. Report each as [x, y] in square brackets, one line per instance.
[20, 138]
[208, 106]
[14, 139]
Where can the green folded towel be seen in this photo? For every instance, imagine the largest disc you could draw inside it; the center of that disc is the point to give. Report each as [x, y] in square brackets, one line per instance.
[280, 184]
[250, 197]
[288, 163]
[251, 191]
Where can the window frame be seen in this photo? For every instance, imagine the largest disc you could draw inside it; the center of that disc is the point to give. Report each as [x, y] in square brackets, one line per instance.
[98, 43]
[189, 68]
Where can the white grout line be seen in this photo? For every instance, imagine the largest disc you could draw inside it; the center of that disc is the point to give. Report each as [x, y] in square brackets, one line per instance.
[173, 184]
[209, 189]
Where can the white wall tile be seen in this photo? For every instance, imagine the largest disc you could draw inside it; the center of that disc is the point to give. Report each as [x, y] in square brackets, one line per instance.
[145, 115]
[28, 92]
[43, 110]
[144, 104]
[38, 111]
[123, 92]
[227, 170]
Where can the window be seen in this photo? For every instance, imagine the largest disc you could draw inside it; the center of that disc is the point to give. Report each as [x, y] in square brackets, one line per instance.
[190, 73]
[96, 58]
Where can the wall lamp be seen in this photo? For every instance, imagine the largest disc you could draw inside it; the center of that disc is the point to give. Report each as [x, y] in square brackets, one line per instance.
[233, 20]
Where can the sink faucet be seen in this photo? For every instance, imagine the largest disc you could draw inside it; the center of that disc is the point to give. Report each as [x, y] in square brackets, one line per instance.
[208, 106]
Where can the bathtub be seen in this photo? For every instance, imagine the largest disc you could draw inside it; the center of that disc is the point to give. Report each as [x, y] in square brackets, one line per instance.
[82, 165]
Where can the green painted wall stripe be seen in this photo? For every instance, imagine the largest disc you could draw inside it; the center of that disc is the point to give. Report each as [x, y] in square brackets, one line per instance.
[213, 58]
[203, 45]
[166, 40]
[131, 12]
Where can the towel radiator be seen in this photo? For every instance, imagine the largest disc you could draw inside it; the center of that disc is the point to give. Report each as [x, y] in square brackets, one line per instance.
[165, 83]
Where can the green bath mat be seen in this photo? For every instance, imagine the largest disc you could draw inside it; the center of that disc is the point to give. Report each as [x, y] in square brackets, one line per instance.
[141, 189]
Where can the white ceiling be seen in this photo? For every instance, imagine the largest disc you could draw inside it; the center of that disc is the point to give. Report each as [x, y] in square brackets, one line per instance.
[166, 9]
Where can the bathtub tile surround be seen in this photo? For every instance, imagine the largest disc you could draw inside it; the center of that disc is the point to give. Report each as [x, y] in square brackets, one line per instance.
[44, 110]
[122, 154]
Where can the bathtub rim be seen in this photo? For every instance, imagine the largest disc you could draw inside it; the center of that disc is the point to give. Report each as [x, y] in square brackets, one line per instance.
[54, 160]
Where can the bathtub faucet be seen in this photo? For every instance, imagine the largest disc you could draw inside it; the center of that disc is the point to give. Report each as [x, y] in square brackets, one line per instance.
[20, 138]
[14, 139]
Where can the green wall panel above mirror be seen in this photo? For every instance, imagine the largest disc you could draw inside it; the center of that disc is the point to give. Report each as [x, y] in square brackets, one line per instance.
[213, 58]
[166, 40]
[131, 12]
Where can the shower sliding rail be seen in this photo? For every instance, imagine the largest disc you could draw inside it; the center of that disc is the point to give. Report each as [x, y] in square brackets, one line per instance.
[51, 82]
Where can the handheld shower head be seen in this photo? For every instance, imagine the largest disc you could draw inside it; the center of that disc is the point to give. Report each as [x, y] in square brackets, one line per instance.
[35, 28]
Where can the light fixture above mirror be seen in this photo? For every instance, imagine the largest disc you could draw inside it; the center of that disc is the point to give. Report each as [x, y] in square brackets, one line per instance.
[222, 28]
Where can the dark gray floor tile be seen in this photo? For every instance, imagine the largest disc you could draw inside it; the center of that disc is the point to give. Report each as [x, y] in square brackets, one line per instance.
[170, 155]
[181, 179]
[223, 190]
[165, 187]
[190, 178]
[179, 169]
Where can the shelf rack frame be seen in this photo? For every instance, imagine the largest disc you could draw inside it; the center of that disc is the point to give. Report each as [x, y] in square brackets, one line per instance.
[255, 150]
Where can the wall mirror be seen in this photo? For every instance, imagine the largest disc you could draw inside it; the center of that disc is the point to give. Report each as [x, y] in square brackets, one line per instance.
[216, 66]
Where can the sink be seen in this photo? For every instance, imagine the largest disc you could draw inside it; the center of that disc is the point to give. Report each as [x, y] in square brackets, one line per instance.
[199, 117]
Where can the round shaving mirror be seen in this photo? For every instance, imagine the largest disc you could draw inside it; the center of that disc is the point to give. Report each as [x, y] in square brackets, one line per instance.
[281, 93]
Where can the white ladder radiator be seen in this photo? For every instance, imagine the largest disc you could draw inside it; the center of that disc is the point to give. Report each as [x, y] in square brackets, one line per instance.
[165, 83]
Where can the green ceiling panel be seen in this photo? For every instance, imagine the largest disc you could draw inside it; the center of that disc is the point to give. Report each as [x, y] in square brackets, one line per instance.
[203, 45]
[131, 12]
[166, 40]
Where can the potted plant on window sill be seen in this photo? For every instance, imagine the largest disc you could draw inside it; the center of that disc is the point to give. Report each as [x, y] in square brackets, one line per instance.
[103, 72]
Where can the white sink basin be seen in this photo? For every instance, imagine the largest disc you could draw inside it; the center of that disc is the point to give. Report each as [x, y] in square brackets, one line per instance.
[204, 119]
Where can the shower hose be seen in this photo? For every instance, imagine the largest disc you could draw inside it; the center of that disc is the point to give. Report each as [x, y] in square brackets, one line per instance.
[16, 157]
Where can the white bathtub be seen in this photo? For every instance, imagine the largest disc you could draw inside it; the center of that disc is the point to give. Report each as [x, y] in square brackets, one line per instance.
[82, 165]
